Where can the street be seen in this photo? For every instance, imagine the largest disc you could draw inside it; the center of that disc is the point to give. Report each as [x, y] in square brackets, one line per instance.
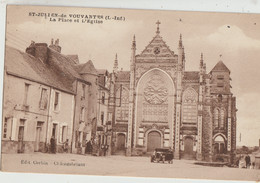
[120, 166]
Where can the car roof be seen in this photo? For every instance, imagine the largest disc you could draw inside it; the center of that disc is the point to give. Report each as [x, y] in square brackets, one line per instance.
[162, 149]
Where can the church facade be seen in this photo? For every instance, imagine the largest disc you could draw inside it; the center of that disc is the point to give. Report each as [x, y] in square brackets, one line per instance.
[160, 104]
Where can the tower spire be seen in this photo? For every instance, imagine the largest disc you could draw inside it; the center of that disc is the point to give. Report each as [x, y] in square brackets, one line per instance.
[201, 60]
[158, 28]
[115, 68]
[180, 41]
[134, 42]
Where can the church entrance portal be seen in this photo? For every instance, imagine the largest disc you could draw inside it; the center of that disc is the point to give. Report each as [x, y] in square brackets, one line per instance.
[188, 148]
[120, 143]
[154, 141]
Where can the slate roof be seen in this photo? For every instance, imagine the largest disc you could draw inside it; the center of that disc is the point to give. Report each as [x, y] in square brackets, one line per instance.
[59, 71]
[28, 67]
[74, 58]
[220, 66]
[123, 76]
[102, 71]
[87, 68]
[191, 76]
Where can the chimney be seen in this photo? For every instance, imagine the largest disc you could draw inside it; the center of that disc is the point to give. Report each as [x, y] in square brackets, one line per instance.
[38, 50]
[55, 46]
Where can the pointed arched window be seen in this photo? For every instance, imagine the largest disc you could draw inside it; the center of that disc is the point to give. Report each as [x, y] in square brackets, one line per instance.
[122, 107]
[216, 118]
[222, 119]
[189, 107]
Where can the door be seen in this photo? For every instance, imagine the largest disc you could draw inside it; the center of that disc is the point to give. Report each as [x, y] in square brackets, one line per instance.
[188, 148]
[20, 139]
[120, 142]
[154, 141]
[54, 128]
[37, 140]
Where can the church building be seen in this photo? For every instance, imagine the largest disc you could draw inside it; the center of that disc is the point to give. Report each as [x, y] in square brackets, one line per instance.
[158, 104]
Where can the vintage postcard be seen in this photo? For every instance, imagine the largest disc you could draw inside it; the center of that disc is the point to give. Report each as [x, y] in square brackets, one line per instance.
[135, 93]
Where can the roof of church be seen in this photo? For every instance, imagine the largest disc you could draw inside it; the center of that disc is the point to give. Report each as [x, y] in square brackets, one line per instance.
[123, 76]
[28, 67]
[220, 66]
[191, 75]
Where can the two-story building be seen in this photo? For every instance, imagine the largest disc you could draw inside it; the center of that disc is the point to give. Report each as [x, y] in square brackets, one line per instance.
[37, 103]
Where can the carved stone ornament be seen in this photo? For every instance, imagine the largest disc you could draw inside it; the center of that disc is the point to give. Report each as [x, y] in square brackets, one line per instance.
[156, 50]
[155, 92]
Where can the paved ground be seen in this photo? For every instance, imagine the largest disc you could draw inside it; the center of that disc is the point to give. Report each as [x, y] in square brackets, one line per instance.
[120, 166]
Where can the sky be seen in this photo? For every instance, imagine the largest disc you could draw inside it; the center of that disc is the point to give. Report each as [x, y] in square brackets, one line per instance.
[234, 36]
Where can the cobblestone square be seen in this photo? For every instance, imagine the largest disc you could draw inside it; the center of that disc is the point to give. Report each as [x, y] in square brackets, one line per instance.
[120, 166]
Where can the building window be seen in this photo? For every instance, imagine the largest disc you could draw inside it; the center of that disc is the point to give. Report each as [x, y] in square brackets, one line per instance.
[102, 118]
[219, 118]
[56, 101]
[222, 119]
[82, 114]
[220, 85]
[189, 108]
[5, 128]
[103, 98]
[64, 133]
[54, 129]
[44, 99]
[216, 117]
[83, 91]
[22, 122]
[220, 77]
[122, 104]
[220, 98]
[26, 92]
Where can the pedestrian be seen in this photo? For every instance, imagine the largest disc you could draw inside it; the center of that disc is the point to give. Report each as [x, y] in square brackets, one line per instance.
[247, 161]
[253, 165]
[88, 147]
[66, 146]
[53, 145]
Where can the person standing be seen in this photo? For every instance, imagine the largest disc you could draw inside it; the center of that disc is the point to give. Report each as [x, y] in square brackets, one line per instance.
[247, 161]
[53, 145]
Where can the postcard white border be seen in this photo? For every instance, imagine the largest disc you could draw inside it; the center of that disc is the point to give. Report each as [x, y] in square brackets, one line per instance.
[241, 6]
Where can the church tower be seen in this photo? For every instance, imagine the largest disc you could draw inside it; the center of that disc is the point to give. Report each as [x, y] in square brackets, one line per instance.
[224, 111]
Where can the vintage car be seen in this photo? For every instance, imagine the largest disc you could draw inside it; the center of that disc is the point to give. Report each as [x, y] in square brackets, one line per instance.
[162, 155]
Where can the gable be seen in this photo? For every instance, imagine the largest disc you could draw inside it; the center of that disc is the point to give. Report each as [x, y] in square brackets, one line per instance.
[156, 50]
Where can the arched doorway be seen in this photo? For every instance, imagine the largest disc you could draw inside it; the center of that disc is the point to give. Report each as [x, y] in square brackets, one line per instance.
[219, 145]
[188, 148]
[120, 143]
[153, 141]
